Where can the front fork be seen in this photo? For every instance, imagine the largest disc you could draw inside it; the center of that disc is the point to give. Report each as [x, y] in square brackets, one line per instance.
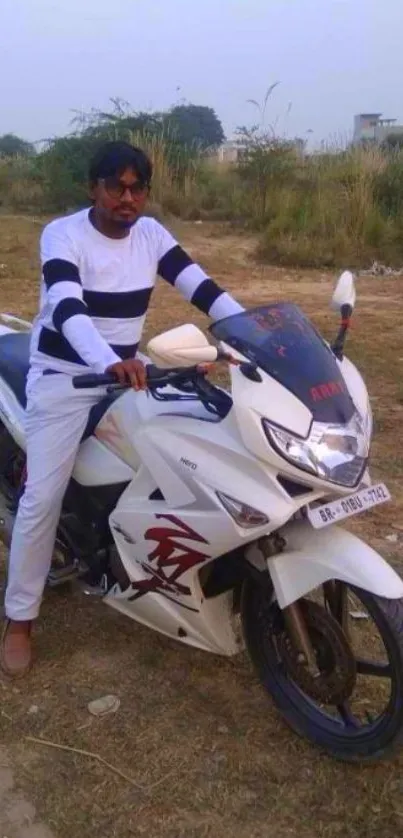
[335, 594]
[336, 598]
[299, 635]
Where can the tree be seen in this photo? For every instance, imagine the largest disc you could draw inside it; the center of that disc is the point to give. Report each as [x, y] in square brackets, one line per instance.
[63, 170]
[172, 138]
[194, 125]
[191, 126]
[117, 124]
[12, 146]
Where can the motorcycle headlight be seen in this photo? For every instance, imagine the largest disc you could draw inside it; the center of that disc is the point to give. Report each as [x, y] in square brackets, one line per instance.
[337, 453]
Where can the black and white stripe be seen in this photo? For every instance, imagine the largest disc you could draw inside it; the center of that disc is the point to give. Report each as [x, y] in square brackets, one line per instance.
[57, 346]
[173, 263]
[67, 308]
[177, 268]
[121, 305]
[96, 291]
[114, 314]
[60, 270]
[122, 330]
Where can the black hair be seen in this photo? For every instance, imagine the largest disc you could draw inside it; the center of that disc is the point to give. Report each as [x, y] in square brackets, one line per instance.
[113, 158]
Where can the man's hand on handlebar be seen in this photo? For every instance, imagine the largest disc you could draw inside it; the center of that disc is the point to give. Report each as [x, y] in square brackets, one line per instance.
[130, 371]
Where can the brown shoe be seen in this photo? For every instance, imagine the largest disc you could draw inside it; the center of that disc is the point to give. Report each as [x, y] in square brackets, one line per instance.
[15, 649]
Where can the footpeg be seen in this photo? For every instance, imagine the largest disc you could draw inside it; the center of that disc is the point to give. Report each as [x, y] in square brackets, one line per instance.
[93, 590]
[60, 575]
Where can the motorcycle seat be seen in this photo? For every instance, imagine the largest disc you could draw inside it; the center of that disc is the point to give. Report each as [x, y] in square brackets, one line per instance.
[14, 366]
[14, 362]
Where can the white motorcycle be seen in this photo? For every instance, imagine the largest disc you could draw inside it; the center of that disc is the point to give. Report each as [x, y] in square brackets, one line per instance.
[212, 517]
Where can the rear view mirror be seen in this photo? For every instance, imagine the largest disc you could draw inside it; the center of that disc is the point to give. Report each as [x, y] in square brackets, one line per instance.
[181, 347]
[344, 293]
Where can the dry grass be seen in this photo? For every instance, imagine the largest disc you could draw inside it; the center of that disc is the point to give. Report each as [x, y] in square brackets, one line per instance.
[335, 209]
[233, 770]
[343, 206]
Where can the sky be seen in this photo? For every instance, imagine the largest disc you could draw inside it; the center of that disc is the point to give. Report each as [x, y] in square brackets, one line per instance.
[332, 59]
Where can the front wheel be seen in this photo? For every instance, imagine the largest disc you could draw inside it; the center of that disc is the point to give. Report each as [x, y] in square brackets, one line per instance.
[353, 706]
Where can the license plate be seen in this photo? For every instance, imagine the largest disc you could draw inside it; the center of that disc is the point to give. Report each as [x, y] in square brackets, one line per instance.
[330, 513]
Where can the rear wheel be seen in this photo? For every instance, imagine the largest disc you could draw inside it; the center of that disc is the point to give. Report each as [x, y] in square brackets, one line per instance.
[352, 707]
[12, 483]
[12, 464]
[12, 480]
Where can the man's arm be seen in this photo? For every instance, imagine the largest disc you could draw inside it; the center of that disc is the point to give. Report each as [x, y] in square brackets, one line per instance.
[65, 299]
[177, 268]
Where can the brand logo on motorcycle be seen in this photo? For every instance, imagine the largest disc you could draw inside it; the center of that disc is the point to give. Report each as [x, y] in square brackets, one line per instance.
[188, 463]
[327, 391]
[170, 559]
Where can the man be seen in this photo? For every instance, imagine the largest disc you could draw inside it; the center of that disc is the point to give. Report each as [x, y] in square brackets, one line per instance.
[99, 267]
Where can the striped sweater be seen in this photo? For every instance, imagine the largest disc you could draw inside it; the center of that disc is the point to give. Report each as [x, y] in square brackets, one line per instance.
[95, 292]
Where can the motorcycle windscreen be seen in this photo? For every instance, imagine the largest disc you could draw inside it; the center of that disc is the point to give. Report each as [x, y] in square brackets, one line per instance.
[282, 341]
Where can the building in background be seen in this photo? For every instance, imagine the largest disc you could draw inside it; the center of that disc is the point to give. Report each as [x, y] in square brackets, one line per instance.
[371, 127]
[228, 152]
[231, 150]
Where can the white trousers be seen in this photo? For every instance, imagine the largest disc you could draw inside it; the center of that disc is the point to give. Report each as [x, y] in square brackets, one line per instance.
[56, 417]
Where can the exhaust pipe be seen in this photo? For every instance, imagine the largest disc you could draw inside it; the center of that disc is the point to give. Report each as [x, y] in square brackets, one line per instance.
[7, 520]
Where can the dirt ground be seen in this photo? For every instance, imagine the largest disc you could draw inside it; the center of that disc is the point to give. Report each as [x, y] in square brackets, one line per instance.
[203, 751]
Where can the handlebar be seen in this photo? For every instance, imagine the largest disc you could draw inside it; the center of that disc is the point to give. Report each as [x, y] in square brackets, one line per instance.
[156, 376]
[83, 382]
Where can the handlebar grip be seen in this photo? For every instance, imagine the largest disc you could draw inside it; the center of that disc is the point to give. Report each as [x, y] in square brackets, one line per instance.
[161, 376]
[154, 373]
[89, 380]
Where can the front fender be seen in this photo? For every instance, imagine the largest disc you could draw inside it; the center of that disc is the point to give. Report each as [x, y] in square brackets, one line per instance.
[313, 557]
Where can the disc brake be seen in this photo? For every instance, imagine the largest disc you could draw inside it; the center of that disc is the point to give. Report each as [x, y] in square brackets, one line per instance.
[333, 679]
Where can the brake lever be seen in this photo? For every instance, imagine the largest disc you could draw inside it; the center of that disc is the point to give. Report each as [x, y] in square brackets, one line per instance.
[114, 388]
[152, 385]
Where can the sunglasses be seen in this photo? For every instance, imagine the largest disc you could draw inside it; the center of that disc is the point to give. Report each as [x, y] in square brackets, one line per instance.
[116, 189]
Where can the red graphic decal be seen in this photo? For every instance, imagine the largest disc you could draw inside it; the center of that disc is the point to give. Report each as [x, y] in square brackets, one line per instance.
[170, 559]
[269, 319]
[327, 391]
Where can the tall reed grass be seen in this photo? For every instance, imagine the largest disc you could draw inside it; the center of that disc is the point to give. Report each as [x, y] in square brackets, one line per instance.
[335, 208]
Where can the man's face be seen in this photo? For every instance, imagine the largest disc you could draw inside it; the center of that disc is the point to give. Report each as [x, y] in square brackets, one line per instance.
[120, 199]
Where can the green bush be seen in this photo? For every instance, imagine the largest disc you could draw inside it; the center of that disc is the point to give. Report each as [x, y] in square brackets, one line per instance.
[21, 187]
[388, 187]
[338, 208]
